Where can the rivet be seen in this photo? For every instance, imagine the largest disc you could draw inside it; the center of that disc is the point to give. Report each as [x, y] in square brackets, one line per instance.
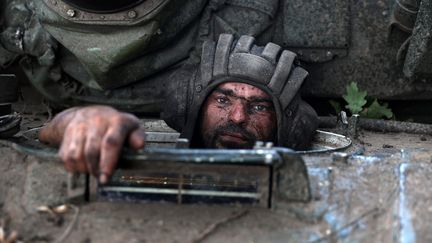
[132, 14]
[259, 145]
[269, 145]
[198, 88]
[102, 17]
[71, 13]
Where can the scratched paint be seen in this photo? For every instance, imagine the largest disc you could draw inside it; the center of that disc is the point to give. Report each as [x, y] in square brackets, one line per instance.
[407, 233]
[94, 49]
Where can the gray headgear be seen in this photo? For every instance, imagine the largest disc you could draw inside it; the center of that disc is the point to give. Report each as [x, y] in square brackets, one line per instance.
[269, 68]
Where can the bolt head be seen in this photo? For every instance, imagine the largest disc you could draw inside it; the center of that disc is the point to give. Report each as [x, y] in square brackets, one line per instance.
[132, 14]
[269, 145]
[71, 13]
[259, 145]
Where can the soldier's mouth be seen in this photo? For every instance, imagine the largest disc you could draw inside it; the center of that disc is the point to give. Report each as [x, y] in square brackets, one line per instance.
[234, 137]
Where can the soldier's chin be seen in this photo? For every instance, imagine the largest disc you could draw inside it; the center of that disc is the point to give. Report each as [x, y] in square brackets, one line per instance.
[221, 144]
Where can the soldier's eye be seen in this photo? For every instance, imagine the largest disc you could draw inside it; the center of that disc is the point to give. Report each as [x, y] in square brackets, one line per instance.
[260, 108]
[222, 100]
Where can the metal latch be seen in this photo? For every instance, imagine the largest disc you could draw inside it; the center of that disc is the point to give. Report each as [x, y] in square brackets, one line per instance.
[259, 177]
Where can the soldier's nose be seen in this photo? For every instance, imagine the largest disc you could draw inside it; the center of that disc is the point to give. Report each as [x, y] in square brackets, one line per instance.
[238, 113]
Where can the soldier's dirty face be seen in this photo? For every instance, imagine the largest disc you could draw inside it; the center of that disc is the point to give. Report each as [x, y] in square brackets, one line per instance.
[235, 115]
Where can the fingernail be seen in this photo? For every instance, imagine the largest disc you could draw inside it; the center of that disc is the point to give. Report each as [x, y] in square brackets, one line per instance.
[103, 179]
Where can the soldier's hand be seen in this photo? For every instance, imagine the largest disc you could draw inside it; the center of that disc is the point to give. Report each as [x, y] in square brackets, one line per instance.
[91, 138]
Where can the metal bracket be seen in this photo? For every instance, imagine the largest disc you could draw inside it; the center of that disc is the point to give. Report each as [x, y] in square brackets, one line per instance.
[126, 17]
[259, 177]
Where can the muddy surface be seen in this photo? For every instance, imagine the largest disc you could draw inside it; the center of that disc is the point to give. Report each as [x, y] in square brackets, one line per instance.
[393, 142]
[382, 195]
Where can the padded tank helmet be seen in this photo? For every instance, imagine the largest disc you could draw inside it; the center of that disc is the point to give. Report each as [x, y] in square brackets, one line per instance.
[269, 68]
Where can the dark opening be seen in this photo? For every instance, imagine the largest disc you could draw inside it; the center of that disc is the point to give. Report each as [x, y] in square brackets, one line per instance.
[103, 6]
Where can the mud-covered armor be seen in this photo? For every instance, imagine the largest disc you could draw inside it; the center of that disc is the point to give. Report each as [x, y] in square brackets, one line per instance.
[124, 55]
[270, 68]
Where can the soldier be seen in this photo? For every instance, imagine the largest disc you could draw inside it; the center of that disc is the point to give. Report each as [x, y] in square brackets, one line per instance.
[242, 93]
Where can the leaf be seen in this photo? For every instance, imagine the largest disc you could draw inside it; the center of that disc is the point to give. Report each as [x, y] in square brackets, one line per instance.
[377, 111]
[355, 98]
[336, 106]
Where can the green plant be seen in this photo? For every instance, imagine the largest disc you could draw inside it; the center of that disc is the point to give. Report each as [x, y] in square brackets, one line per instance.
[357, 102]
